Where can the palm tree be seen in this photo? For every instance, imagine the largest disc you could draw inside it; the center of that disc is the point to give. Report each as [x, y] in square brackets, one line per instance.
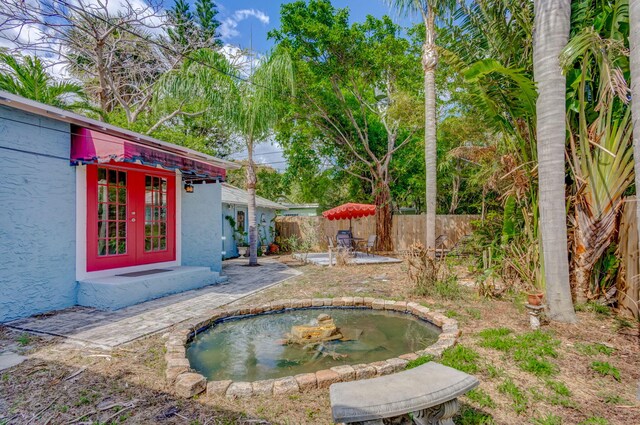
[552, 25]
[429, 10]
[27, 77]
[254, 113]
[634, 45]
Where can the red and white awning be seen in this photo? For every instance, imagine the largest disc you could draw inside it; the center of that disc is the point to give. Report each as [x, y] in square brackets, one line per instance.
[91, 147]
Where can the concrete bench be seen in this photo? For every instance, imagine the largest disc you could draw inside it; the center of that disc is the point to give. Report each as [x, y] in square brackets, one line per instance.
[429, 392]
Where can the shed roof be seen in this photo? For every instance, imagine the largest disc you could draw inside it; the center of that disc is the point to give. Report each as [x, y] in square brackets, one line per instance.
[235, 195]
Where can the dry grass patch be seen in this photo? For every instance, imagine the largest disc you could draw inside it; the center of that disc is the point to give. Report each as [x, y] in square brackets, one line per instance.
[544, 377]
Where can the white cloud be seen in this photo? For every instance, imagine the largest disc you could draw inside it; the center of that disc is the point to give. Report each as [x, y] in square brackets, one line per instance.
[246, 13]
[229, 27]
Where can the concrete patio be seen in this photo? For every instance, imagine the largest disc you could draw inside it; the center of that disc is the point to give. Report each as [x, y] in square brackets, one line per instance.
[109, 329]
[322, 258]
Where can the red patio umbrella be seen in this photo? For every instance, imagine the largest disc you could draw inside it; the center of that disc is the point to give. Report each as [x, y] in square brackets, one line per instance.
[350, 211]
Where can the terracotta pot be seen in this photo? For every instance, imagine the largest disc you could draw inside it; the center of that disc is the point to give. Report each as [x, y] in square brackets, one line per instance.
[535, 298]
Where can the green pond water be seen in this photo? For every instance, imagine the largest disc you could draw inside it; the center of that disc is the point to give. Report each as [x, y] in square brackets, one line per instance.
[251, 349]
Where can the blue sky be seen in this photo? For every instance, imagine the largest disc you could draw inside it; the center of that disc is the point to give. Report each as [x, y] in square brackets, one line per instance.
[240, 17]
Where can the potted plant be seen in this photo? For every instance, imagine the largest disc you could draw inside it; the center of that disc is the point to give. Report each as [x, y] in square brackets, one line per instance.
[535, 297]
[242, 248]
[535, 294]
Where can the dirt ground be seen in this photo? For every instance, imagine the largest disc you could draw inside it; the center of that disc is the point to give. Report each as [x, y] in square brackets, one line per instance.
[64, 383]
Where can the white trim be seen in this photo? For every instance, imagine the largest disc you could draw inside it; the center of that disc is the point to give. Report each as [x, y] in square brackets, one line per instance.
[81, 232]
[81, 221]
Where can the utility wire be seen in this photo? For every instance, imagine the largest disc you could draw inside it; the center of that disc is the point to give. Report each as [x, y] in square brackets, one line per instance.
[94, 137]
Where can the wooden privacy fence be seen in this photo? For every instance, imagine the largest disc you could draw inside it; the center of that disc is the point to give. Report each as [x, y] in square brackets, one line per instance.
[407, 229]
[629, 276]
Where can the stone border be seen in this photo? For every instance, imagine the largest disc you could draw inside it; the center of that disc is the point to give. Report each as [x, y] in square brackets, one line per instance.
[187, 383]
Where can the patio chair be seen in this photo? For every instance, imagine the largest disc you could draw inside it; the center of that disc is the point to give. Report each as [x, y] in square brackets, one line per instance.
[345, 243]
[332, 249]
[370, 244]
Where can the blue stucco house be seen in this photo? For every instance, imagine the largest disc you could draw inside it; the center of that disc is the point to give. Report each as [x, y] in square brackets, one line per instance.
[96, 215]
[235, 219]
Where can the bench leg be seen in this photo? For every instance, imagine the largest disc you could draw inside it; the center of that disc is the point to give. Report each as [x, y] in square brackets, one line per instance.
[441, 414]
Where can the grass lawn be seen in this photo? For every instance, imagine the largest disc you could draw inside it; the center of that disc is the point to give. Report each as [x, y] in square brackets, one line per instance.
[564, 374]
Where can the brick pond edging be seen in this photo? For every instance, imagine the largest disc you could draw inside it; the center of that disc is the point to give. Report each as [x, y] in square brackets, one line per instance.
[187, 383]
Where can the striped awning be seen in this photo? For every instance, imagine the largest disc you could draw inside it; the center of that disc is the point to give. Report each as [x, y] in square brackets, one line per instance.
[94, 147]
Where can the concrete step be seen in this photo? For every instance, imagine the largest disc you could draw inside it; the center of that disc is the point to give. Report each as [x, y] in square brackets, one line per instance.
[114, 292]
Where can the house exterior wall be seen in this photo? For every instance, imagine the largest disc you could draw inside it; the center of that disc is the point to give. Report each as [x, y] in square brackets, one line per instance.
[264, 232]
[201, 226]
[37, 215]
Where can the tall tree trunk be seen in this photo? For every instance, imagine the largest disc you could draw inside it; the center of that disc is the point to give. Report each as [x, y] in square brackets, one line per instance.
[384, 219]
[429, 63]
[251, 189]
[552, 25]
[634, 56]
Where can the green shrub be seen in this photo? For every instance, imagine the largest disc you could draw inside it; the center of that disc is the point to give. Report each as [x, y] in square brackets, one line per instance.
[419, 361]
[594, 349]
[558, 388]
[594, 420]
[481, 398]
[461, 358]
[470, 416]
[530, 350]
[550, 419]
[594, 307]
[498, 339]
[606, 369]
[518, 397]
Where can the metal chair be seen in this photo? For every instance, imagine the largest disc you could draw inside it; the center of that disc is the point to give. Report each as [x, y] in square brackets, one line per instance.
[370, 244]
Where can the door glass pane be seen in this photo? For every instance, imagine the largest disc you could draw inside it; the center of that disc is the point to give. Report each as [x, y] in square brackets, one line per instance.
[155, 214]
[102, 246]
[112, 212]
[102, 176]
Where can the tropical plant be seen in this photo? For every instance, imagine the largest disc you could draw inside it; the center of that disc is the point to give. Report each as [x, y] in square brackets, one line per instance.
[600, 145]
[253, 115]
[238, 235]
[429, 10]
[552, 26]
[634, 48]
[26, 76]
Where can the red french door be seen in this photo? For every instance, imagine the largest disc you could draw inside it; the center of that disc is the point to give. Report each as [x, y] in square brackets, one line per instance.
[130, 216]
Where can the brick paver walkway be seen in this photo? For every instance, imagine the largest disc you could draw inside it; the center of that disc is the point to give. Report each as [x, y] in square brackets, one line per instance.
[113, 328]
